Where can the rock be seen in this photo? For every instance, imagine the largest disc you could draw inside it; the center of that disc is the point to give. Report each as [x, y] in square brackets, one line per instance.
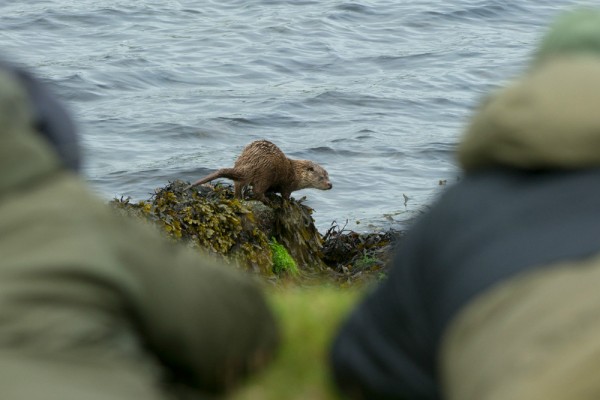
[240, 231]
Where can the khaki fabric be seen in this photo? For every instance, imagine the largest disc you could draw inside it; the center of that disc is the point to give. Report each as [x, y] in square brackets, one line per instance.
[535, 337]
[548, 119]
[96, 306]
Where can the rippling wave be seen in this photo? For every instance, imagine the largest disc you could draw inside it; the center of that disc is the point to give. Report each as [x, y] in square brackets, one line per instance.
[377, 91]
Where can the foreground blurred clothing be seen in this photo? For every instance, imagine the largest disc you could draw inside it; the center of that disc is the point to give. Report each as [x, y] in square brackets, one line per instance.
[494, 292]
[93, 306]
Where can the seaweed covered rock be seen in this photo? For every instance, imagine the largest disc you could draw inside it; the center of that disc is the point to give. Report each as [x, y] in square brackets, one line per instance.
[357, 257]
[240, 231]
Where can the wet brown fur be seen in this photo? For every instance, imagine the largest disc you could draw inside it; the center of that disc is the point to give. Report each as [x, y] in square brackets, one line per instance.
[264, 166]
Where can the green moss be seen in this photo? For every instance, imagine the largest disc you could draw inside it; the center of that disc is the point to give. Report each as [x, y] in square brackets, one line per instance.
[309, 319]
[282, 261]
[366, 262]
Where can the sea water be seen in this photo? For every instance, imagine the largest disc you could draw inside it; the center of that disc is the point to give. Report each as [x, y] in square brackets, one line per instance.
[377, 91]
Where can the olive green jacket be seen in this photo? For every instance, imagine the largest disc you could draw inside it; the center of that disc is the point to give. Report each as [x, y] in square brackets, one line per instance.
[93, 306]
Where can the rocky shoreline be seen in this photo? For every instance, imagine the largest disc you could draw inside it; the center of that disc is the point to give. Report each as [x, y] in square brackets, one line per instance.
[278, 241]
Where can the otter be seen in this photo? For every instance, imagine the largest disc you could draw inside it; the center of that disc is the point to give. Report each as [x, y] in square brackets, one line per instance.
[264, 166]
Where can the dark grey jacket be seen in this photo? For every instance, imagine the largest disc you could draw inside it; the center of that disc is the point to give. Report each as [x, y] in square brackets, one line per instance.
[530, 198]
[490, 227]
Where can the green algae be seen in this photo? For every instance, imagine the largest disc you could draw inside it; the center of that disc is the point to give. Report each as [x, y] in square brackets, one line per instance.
[282, 261]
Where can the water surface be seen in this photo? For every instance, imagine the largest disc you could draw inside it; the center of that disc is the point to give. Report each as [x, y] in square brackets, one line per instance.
[376, 91]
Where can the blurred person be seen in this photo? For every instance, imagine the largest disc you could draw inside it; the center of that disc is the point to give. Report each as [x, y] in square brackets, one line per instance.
[95, 306]
[494, 292]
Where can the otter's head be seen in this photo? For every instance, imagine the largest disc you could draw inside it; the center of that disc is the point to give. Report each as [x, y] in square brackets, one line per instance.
[311, 175]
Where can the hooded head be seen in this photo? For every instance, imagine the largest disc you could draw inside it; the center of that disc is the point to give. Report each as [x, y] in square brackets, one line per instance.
[575, 33]
[49, 118]
[550, 117]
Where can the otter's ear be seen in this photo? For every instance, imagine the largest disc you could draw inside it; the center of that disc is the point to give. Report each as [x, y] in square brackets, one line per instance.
[311, 168]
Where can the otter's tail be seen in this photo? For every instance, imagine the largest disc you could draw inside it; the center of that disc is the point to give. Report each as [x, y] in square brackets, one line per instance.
[229, 173]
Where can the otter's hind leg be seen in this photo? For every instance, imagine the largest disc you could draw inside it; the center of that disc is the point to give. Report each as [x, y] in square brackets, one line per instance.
[238, 187]
[259, 190]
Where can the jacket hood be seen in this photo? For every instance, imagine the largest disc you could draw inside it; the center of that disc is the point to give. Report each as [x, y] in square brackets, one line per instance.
[576, 32]
[50, 119]
[548, 119]
[24, 154]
